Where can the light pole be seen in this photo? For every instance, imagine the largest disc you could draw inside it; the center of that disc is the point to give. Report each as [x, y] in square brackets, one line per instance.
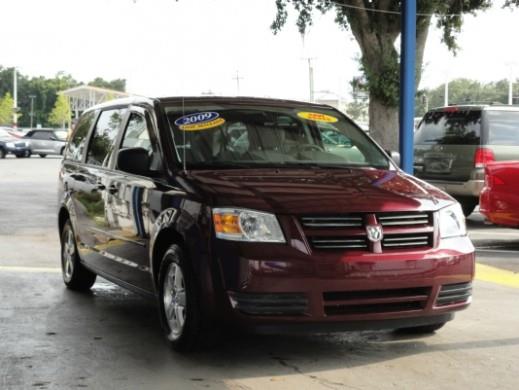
[15, 98]
[32, 97]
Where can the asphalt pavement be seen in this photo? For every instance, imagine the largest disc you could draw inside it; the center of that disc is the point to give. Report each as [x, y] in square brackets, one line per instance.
[53, 338]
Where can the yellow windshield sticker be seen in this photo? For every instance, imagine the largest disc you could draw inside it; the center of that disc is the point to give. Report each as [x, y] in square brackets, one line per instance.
[317, 117]
[203, 125]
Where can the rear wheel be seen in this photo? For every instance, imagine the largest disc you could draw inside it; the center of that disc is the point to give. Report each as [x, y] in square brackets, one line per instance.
[424, 329]
[42, 155]
[2, 153]
[75, 275]
[178, 301]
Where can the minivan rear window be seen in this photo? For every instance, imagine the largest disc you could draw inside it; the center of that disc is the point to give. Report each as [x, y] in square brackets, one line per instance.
[450, 127]
[503, 127]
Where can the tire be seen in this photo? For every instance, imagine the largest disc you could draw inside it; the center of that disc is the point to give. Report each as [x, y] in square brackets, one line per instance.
[421, 330]
[75, 275]
[42, 155]
[178, 300]
[2, 153]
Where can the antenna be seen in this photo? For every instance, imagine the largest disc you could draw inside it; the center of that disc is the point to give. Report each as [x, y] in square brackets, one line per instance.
[184, 164]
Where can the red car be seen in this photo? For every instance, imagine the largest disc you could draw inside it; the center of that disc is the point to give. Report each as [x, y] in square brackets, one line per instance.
[499, 201]
[258, 214]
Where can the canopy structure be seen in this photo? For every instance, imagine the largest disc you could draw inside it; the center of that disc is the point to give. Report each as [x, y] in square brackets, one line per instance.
[85, 96]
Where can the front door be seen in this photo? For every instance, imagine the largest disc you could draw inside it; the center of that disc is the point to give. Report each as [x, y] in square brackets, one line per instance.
[128, 205]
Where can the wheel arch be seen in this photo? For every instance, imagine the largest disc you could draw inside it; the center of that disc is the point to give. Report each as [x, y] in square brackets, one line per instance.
[63, 217]
[164, 239]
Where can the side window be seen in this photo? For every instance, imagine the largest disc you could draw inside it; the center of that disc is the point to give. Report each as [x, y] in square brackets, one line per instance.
[137, 135]
[103, 137]
[76, 147]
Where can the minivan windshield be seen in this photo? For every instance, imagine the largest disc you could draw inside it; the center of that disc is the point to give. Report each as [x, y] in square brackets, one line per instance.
[234, 136]
[451, 126]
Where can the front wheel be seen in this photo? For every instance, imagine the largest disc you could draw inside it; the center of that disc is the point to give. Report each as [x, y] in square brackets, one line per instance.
[3, 153]
[178, 301]
[42, 155]
[424, 329]
[75, 275]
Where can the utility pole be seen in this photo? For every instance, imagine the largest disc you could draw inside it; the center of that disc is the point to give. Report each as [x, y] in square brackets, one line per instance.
[310, 78]
[15, 98]
[446, 93]
[32, 97]
[237, 78]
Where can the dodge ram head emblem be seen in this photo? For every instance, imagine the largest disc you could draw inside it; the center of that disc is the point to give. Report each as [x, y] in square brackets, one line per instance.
[374, 232]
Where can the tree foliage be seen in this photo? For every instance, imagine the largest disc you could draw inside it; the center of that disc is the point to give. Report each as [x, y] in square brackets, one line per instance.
[60, 114]
[45, 91]
[376, 24]
[6, 110]
[464, 91]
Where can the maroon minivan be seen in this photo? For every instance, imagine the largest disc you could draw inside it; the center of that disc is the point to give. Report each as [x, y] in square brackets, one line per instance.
[257, 214]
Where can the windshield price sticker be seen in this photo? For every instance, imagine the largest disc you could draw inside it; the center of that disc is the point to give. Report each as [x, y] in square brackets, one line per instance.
[199, 121]
[317, 117]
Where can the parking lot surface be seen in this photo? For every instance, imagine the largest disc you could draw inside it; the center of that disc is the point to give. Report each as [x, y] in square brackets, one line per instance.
[53, 338]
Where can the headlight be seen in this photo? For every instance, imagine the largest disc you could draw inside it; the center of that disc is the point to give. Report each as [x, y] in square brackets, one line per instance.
[246, 225]
[452, 222]
[10, 144]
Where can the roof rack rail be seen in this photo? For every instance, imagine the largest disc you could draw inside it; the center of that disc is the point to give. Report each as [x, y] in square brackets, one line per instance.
[481, 102]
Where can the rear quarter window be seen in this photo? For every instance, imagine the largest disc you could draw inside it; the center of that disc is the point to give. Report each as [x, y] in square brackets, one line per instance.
[503, 127]
[456, 127]
[77, 145]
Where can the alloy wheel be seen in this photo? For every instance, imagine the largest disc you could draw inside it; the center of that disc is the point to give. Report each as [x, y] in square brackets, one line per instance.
[174, 299]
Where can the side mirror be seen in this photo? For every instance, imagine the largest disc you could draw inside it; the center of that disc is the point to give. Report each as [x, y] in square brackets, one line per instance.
[52, 138]
[395, 156]
[133, 160]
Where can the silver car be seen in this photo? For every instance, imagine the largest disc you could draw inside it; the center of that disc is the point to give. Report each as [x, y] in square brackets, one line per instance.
[46, 141]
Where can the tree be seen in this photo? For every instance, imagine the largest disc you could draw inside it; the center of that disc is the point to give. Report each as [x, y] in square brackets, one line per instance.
[6, 110]
[117, 84]
[60, 114]
[375, 24]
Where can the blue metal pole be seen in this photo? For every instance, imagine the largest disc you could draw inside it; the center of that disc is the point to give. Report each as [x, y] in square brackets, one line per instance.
[407, 83]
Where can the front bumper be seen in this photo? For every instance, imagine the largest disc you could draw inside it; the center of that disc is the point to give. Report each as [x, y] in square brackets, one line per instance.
[334, 291]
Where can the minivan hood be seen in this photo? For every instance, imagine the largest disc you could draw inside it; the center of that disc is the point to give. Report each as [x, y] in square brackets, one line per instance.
[316, 191]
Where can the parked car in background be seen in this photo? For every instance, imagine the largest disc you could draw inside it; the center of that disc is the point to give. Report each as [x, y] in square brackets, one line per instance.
[453, 145]
[257, 214]
[46, 141]
[13, 145]
[19, 132]
[499, 201]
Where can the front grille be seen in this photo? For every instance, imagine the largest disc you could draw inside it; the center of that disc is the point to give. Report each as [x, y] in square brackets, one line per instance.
[270, 304]
[20, 144]
[407, 241]
[402, 230]
[333, 222]
[404, 219]
[358, 243]
[451, 294]
[375, 301]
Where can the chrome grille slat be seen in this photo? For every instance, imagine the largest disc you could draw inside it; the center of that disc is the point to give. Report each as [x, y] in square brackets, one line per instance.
[411, 238]
[319, 222]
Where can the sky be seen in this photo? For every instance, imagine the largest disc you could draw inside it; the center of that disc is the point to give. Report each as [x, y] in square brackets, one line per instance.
[192, 47]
